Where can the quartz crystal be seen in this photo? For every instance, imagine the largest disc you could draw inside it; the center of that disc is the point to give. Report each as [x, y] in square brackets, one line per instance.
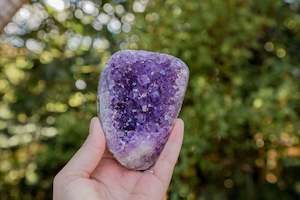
[140, 94]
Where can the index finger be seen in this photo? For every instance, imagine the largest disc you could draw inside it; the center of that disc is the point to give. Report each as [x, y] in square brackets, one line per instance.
[165, 164]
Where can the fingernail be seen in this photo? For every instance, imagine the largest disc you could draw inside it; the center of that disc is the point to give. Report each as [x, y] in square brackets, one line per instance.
[93, 124]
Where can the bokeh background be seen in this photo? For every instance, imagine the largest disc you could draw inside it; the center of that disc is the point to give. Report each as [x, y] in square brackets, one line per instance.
[241, 111]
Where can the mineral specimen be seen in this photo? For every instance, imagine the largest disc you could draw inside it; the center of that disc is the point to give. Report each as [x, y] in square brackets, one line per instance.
[140, 94]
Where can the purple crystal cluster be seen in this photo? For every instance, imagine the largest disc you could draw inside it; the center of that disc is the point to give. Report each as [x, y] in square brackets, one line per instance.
[140, 94]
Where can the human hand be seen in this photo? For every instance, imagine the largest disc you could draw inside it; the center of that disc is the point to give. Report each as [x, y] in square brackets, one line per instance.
[93, 173]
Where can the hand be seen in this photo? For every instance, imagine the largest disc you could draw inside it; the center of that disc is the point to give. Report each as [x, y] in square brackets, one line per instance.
[93, 174]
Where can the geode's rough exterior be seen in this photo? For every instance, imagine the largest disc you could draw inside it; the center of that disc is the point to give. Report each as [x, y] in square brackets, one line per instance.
[140, 94]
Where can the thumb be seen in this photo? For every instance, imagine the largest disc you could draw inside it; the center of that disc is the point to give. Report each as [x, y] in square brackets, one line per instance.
[88, 156]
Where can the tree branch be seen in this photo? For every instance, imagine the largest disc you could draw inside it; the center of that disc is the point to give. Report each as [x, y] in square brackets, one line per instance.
[8, 10]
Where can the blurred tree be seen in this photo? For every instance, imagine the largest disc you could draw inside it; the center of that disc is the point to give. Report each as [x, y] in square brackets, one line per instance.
[50, 58]
[242, 108]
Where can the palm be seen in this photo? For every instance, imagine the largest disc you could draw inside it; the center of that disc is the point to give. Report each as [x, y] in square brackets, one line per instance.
[111, 181]
[116, 182]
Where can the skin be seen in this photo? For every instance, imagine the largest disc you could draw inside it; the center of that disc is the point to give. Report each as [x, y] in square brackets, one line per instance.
[93, 173]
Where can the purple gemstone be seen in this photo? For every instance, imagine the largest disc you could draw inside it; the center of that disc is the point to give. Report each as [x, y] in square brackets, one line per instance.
[140, 94]
[155, 96]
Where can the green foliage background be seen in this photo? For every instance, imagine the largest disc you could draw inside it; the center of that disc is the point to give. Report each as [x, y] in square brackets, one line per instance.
[241, 111]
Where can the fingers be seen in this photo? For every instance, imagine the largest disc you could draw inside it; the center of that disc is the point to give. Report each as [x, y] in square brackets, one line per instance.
[88, 156]
[165, 164]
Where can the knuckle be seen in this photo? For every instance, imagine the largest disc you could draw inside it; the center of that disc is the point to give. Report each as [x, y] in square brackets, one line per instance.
[57, 179]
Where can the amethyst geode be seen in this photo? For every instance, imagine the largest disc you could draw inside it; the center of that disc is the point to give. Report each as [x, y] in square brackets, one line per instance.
[140, 94]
